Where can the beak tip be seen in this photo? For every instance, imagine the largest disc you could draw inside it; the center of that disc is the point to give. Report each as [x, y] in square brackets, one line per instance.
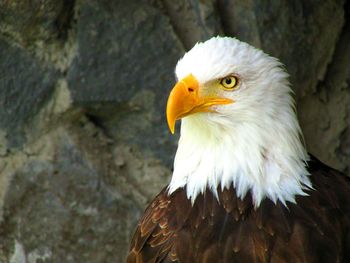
[172, 129]
[171, 120]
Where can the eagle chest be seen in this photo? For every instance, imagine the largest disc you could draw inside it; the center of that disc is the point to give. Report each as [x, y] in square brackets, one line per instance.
[228, 229]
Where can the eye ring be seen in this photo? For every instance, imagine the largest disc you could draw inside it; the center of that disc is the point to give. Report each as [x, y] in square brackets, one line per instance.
[229, 82]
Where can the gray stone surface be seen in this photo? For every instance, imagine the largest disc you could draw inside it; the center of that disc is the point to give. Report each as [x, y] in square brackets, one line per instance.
[193, 21]
[84, 145]
[66, 205]
[30, 22]
[123, 71]
[25, 85]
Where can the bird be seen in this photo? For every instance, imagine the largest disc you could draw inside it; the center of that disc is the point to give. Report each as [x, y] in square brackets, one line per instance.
[243, 187]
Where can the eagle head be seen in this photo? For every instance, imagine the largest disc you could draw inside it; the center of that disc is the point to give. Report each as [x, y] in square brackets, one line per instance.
[239, 127]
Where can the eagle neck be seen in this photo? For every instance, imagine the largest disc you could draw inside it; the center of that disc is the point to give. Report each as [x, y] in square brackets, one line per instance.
[260, 162]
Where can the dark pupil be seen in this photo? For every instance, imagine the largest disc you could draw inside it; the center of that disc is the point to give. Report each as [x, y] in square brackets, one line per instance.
[228, 81]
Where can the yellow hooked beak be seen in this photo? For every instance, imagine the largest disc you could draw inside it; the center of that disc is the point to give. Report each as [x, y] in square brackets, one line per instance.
[185, 100]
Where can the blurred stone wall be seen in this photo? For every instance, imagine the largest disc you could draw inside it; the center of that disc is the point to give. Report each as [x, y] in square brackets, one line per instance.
[84, 145]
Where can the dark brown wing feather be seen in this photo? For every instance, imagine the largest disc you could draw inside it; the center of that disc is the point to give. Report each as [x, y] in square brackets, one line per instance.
[315, 229]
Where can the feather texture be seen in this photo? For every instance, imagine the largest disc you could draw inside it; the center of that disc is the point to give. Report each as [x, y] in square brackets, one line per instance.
[230, 229]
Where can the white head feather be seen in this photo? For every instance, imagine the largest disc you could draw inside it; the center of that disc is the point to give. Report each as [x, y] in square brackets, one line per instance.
[254, 143]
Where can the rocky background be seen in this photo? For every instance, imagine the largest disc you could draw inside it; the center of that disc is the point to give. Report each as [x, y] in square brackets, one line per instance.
[84, 144]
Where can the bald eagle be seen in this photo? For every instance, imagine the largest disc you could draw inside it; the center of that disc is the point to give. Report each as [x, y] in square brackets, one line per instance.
[243, 189]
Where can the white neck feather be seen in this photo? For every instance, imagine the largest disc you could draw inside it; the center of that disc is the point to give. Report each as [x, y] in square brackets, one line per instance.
[265, 157]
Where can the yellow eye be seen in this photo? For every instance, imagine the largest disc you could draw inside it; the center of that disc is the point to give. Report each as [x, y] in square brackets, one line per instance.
[229, 82]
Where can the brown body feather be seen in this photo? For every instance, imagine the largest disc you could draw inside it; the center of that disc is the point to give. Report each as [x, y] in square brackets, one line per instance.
[315, 229]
